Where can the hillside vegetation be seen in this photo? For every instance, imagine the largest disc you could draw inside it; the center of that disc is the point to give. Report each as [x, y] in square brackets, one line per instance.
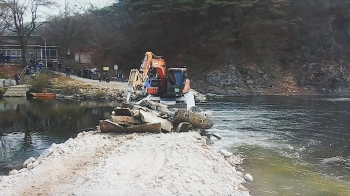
[232, 47]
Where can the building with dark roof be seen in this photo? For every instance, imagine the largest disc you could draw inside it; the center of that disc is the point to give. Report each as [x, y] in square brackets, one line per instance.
[10, 49]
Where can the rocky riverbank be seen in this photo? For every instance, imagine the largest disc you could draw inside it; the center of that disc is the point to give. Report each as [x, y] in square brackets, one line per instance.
[96, 163]
[78, 88]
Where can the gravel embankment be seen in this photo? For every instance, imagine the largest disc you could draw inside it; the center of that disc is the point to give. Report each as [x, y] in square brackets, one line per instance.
[136, 164]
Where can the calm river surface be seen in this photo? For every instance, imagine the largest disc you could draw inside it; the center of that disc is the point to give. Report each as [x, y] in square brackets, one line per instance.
[284, 140]
[28, 127]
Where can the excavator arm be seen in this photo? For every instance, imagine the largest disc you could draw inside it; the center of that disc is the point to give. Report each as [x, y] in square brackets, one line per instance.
[152, 61]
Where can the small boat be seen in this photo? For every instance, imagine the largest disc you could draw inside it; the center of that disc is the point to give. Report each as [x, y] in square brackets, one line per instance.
[44, 95]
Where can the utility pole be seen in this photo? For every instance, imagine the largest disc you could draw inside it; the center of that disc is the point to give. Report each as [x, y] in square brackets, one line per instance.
[45, 54]
[45, 51]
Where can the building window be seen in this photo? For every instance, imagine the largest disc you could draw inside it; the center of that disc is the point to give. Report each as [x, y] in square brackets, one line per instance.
[13, 52]
[53, 54]
[19, 52]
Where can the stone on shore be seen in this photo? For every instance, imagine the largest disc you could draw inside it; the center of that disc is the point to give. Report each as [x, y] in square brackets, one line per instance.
[107, 126]
[148, 117]
[148, 127]
[22, 170]
[29, 160]
[47, 152]
[13, 172]
[248, 177]
[122, 112]
[183, 127]
[125, 121]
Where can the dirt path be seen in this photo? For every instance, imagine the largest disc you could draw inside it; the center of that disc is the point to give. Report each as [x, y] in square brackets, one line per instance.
[137, 164]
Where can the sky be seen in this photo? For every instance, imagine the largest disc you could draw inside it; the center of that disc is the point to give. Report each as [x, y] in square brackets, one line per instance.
[80, 3]
[97, 3]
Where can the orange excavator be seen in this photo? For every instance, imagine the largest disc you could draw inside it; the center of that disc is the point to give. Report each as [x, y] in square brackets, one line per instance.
[161, 84]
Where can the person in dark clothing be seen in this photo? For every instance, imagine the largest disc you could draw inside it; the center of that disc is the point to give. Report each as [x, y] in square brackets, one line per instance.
[123, 78]
[79, 73]
[2, 58]
[41, 65]
[59, 66]
[104, 76]
[17, 79]
[50, 65]
[68, 71]
[7, 59]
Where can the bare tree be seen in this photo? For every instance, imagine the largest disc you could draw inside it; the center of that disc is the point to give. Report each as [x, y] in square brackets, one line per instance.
[4, 17]
[17, 19]
[67, 28]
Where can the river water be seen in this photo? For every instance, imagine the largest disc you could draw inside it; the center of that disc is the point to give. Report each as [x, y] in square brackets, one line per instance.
[28, 127]
[284, 140]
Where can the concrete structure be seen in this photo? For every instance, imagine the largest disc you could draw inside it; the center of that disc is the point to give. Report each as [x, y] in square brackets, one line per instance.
[17, 91]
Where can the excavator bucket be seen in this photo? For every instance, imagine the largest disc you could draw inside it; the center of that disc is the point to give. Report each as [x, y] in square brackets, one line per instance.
[135, 79]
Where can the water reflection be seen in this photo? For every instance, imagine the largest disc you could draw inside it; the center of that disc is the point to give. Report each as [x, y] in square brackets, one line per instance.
[29, 127]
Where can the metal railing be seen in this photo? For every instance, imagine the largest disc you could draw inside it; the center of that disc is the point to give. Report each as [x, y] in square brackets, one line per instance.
[23, 72]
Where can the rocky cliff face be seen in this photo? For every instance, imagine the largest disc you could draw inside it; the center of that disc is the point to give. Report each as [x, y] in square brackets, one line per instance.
[325, 78]
[235, 80]
[308, 78]
[302, 49]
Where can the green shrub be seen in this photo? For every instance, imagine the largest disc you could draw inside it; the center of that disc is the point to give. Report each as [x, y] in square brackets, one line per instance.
[2, 90]
[41, 82]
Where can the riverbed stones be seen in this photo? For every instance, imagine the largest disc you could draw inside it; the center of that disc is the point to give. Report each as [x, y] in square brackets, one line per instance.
[29, 160]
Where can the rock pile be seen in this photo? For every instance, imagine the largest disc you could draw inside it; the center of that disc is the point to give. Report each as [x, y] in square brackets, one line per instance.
[151, 116]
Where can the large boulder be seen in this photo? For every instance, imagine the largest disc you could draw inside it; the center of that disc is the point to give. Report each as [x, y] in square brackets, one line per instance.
[196, 117]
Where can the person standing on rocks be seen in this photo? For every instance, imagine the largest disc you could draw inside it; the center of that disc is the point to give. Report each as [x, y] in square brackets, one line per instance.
[104, 76]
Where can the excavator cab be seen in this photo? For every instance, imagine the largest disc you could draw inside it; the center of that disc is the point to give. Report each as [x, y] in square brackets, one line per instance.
[175, 82]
